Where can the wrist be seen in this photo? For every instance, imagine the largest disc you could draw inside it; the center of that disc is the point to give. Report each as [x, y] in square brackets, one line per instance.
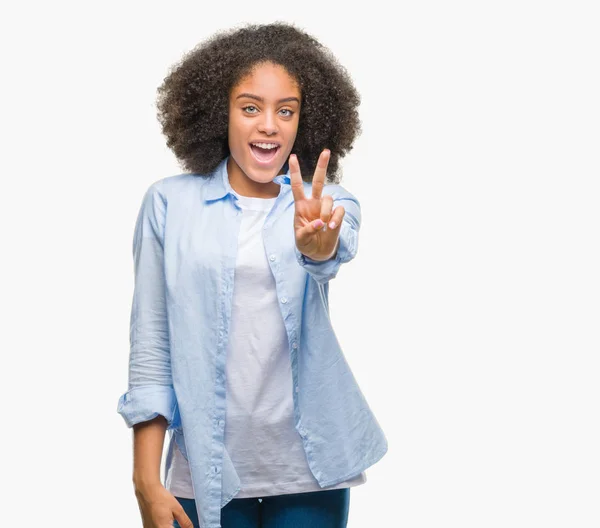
[317, 258]
[331, 256]
[144, 485]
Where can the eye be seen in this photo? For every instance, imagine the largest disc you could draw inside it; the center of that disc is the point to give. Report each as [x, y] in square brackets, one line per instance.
[289, 114]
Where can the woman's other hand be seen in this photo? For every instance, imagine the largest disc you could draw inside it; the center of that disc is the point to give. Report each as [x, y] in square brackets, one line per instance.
[159, 508]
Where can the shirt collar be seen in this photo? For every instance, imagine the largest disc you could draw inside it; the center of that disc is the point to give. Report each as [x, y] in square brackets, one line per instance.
[218, 185]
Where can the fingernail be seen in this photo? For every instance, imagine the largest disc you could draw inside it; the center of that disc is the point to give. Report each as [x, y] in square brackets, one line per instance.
[318, 223]
[332, 225]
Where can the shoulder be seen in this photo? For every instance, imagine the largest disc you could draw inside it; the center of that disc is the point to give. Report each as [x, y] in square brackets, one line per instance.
[173, 183]
[171, 187]
[336, 190]
[341, 197]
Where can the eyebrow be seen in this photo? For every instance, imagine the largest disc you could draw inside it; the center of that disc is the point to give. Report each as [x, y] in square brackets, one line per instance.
[252, 96]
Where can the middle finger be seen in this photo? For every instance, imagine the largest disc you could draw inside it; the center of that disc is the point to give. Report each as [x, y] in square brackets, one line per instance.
[318, 180]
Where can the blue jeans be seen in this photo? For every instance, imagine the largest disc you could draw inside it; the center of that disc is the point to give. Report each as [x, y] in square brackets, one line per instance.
[325, 509]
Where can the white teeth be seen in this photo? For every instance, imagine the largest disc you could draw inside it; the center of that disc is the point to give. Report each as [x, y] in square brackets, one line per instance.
[266, 145]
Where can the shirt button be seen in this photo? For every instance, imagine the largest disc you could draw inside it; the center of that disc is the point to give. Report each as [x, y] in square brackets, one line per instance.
[294, 345]
[296, 388]
[272, 257]
[215, 469]
[221, 423]
[284, 300]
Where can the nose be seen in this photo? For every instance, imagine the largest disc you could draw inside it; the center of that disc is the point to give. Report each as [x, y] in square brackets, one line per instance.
[268, 124]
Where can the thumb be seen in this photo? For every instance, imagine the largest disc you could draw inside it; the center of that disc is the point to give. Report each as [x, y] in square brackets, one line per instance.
[182, 519]
[309, 229]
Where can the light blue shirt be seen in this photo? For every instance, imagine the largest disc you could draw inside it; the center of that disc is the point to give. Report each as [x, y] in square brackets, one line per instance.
[184, 249]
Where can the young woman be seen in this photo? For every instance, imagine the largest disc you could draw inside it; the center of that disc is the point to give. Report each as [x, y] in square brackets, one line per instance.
[232, 348]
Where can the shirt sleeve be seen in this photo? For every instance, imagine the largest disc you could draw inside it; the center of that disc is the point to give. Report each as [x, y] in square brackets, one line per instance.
[325, 270]
[150, 388]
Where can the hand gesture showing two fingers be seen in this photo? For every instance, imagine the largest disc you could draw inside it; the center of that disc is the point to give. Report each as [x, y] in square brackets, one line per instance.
[316, 225]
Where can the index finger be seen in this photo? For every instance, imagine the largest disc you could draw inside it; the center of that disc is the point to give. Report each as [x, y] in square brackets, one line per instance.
[296, 181]
[318, 180]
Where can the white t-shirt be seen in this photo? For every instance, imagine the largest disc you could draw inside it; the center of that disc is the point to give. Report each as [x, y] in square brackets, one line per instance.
[265, 448]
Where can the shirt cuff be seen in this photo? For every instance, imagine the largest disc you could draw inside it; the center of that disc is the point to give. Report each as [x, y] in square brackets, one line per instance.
[325, 270]
[141, 404]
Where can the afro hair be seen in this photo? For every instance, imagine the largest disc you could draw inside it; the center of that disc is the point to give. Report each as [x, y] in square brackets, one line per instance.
[193, 100]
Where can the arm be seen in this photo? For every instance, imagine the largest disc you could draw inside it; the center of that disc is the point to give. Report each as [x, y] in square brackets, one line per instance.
[148, 441]
[156, 503]
[149, 404]
[325, 270]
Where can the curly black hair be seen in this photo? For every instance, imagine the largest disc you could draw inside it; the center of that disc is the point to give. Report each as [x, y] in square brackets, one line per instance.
[193, 101]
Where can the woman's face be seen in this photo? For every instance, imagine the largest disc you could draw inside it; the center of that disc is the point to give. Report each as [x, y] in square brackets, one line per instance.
[264, 108]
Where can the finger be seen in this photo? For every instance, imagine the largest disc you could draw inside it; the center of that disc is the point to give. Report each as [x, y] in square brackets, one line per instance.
[296, 179]
[326, 206]
[337, 217]
[182, 519]
[318, 180]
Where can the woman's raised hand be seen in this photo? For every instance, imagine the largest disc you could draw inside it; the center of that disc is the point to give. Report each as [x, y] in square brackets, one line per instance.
[312, 214]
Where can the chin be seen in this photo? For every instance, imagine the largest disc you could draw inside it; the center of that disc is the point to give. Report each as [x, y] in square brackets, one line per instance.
[261, 174]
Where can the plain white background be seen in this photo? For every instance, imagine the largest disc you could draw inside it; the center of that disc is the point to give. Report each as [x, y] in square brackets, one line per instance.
[469, 316]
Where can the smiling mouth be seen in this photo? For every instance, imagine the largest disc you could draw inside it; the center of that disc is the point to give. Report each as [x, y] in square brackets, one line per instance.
[264, 156]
